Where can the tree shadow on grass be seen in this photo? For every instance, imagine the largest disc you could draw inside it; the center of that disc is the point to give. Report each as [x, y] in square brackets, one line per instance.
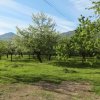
[31, 79]
[71, 64]
[23, 60]
[70, 71]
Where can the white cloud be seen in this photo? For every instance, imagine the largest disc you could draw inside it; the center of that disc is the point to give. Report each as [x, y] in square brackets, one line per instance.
[13, 5]
[81, 4]
[9, 23]
[62, 24]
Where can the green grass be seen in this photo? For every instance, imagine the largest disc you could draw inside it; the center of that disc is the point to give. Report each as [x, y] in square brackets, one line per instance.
[25, 71]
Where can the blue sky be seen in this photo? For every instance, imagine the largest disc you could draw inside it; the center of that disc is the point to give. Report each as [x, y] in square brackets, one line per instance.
[19, 12]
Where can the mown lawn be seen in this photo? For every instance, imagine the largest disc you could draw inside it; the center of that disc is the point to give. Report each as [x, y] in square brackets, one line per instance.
[25, 71]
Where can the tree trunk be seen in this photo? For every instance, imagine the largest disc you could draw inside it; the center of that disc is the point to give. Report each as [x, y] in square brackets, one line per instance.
[7, 55]
[33, 55]
[0, 57]
[83, 58]
[21, 54]
[49, 57]
[39, 57]
[38, 54]
[29, 56]
[11, 56]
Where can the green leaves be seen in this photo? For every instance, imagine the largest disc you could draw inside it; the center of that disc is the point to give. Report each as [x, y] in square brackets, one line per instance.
[86, 37]
[96, 7]
[40, 37]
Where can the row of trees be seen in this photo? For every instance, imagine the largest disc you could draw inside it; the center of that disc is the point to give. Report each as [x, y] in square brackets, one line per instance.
[42, 40]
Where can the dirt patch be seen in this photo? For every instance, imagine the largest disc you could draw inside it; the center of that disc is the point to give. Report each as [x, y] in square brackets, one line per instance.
[48, 91]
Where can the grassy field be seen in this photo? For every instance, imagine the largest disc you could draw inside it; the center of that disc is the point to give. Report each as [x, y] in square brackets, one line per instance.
[29, 72]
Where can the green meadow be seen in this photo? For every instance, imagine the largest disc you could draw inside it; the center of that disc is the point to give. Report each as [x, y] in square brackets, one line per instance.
[31, 71]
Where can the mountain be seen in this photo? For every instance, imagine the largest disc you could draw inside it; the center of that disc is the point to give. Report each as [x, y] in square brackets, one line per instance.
[68, 34]
[7, 36]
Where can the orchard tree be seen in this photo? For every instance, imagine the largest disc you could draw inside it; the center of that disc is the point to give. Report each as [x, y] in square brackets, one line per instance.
[41, 36]
[64, 49]
[26, 40]
[96, 7]
[45, 37]
[20, 45]
[2, 48]
[85, 37]
[11, 48]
